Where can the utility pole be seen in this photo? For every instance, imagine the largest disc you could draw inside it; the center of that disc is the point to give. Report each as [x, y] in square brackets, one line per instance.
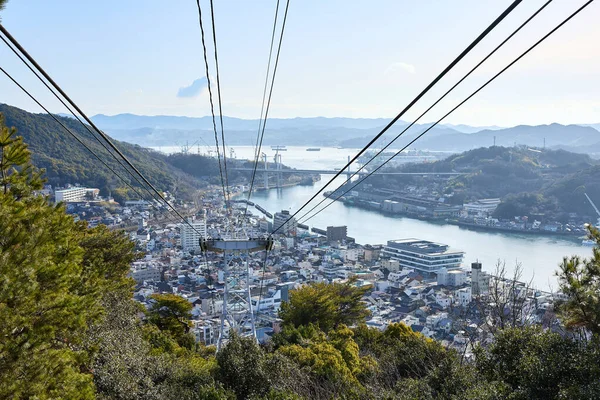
[237, 315]
[494, 141]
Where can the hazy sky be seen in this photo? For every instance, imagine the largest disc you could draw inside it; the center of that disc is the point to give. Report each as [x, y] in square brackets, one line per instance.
[339, 58]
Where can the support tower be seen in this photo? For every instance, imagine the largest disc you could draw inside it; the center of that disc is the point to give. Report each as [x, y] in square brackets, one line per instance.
[237, 315]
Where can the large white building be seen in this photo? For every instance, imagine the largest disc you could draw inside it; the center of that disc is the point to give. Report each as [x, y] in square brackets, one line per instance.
[74, 194]
[481, 207]
[455, 277]
[423, 255]
[190, 235]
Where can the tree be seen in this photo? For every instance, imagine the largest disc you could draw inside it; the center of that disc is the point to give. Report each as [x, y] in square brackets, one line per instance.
[172, 314]
[17, 174]
[325, 305]
[2, 5]
[506, 305]
[579, 281]
[50, 284]
[242, 368]
[536, 364]
[126, 366]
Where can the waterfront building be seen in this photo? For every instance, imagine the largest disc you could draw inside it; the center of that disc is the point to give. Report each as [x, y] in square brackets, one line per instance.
[282, 220]
[337, 233]
[423, 255]
[481, 207]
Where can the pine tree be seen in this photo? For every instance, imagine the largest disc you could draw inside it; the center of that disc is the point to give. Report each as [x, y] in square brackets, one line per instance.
[54, 273]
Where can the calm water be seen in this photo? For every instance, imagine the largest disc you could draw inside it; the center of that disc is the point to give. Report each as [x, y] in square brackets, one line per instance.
[539, 255]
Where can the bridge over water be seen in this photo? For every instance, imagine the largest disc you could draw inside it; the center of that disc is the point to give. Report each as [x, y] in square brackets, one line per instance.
[333, 172]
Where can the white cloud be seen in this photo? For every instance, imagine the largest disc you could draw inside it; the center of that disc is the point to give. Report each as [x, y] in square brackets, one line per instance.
[400, 66]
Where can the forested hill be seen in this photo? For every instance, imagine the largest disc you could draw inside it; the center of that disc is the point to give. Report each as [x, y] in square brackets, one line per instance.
[67, 161]
[530, 180]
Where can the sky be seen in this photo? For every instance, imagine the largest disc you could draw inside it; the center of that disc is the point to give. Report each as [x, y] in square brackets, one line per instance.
[339, 58]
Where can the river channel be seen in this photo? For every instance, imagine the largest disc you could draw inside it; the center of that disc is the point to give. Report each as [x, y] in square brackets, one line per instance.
[539, 255]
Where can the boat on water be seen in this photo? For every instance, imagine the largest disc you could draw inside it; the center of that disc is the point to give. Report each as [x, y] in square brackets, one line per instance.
[588, 242]
[313, 149]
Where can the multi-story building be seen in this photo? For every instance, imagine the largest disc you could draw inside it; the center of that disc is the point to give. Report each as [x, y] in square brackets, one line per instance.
[481, 207]
[337, 233]
[190, 235]
[282, 220]
[454, 277]
[480, 281]
[146, 274]
[422, 255]
[74, 194]
[372, 252]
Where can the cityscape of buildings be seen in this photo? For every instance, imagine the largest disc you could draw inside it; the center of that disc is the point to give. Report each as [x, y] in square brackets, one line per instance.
[426, 285]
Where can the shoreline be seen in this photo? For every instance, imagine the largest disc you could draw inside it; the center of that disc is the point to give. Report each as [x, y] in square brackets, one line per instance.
[466, 225]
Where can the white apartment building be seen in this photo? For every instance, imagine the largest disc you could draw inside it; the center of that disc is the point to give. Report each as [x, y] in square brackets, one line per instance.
[481, 207]
[190, 235]
[423, 255]
[73, 194]
[455, 277]
[143, 273]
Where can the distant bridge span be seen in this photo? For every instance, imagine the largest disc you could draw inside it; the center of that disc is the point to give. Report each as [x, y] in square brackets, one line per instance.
[333, 172]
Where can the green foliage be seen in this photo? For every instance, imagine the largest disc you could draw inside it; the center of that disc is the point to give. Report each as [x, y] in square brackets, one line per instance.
[579, 280]
[524, 204]
[511, 174]
[2, 5]
[67, 161]
[537, 364]
[171, 314]
[202, 167]
[50, 285]
[126, 366]
[243, 368]
[325, 305]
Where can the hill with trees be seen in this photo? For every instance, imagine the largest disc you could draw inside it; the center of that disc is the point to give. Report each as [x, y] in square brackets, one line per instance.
[67, 161]
[528, 180]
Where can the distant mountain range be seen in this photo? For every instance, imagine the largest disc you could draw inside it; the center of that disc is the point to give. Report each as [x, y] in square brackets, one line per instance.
[344, 132]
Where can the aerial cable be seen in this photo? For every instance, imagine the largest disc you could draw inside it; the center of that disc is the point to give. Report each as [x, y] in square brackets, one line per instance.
[262, 279]
[70, 110]
[459, 104]
[260, 121]
[262, 108]
[506, 12]
[433, 105]
[89, 121]
[212, 109]
[67, 129]
[264, 124]
[212, 16]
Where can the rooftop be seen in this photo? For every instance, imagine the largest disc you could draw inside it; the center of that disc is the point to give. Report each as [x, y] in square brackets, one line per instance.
[422, 246]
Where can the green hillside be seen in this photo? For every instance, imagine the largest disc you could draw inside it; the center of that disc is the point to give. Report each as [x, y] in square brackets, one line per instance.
[67, 161]
[531, 180]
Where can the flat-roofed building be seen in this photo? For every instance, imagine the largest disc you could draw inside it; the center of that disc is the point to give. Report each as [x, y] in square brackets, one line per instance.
[284, 223]
[423, 255]
[337, 233]
[190, 235]
[75, 194]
